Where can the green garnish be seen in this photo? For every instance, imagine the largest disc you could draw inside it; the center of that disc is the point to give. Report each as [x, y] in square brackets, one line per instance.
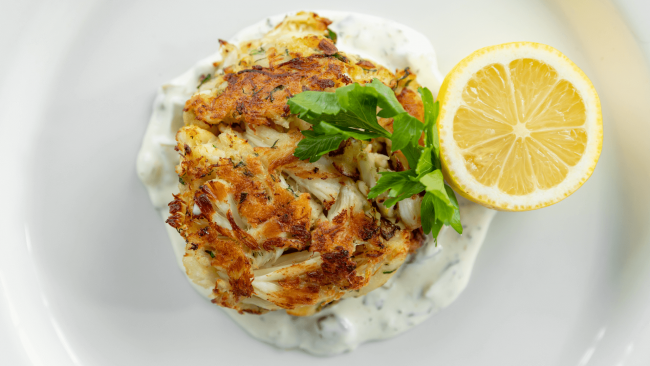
[340, 57]
[181, 181]
[270, 96]
[331, 35]
[387, 272]
[210, 252]
[205, 80]
[407, 72]
[351, 112]
[273, 146]
[257, 52]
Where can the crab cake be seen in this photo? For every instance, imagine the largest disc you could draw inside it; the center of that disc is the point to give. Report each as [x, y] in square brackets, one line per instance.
[263, 229]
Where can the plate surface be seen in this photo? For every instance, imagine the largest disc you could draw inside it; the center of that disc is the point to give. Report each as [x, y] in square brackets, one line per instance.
[86, 273]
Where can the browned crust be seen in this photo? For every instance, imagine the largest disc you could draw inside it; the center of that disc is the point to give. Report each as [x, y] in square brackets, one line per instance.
[175, 219]
[327, 46]
[260, 201]
[343, 231]
[366, 64]
[339, 269]
[412, 103]
[258, 96]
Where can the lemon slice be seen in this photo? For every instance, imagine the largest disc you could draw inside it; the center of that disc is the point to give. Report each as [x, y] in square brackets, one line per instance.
[520, 126]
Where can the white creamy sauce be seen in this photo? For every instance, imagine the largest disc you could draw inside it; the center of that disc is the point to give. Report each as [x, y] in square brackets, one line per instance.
[428, 281]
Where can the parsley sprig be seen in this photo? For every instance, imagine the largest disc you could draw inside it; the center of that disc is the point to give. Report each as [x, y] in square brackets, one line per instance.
[351, 112]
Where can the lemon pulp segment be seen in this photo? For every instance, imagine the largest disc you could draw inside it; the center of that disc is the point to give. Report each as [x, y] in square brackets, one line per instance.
[520, 127]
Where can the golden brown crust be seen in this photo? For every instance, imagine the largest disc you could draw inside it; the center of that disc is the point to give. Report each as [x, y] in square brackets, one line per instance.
[258, 96]
[176, 212]
[259, 198]
[243, 204]
[412, 103]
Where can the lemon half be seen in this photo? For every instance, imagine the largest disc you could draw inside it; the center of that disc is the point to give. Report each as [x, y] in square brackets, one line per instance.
[520, 126]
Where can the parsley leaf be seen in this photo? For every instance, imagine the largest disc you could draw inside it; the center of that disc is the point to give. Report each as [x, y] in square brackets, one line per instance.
[408, 191]
[386, 99]
[310, 105]
[406, 128]
[351, 112]
[430, 224]
[431, 110]
[455, 219]
[349, 107]
[388, 180]
[425, 163]
[332, 35]
[329, 129]
[401, 185]
[205, 80]
[412, 153]
[315, 146]
[359, 106]
[445, 207]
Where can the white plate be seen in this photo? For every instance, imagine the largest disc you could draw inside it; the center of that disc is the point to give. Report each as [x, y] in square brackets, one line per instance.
[86, 273]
